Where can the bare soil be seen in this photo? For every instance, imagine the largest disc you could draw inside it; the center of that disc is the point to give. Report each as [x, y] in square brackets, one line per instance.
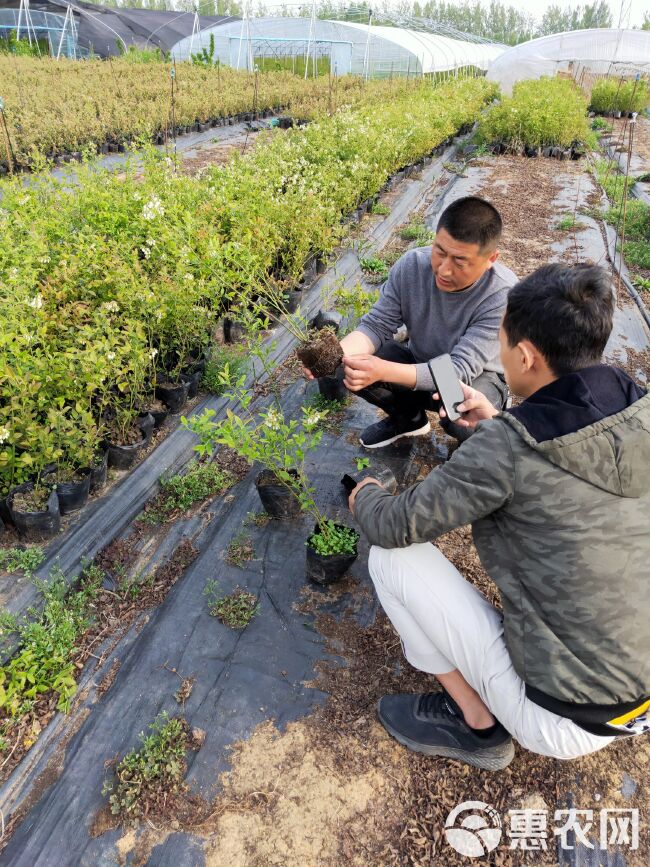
[132, 437]
[31, 500]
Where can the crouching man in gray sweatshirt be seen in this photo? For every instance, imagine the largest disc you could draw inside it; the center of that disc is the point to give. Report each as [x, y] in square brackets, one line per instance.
[557, 491]
[451, 297]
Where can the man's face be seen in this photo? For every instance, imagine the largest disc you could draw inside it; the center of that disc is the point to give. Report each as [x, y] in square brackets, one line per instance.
[457, 265]
[511, 359]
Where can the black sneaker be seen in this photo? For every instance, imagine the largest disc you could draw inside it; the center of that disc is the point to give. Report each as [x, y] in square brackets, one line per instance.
[432, 723]
[390, 429]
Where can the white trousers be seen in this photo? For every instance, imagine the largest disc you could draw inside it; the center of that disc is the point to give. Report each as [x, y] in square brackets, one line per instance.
[446, 624]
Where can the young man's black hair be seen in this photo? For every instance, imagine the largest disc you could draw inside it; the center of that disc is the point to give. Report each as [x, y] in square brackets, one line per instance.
[472, 221]
[566, 311]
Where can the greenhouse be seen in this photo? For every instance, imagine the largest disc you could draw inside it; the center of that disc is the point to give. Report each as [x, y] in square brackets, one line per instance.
[344, 47]
[78, 29]
[594, 52]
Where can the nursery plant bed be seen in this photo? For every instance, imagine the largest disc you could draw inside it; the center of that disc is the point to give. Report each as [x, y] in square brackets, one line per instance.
[295, 690]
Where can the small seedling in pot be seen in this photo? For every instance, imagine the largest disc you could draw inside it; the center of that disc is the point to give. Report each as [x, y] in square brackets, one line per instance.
[240, 550]
[319, 350]
[235, 609]
[337, 540]
[362, 463]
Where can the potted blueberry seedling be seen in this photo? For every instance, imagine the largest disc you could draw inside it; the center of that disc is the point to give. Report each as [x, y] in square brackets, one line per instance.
[319, 349]
[280, 447]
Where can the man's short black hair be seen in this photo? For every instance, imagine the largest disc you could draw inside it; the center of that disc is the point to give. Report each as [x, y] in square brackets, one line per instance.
[565, 311]
[471, 220]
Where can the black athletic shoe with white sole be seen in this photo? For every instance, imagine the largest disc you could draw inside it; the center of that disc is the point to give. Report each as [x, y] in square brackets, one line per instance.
[432, 723]
[388, 430]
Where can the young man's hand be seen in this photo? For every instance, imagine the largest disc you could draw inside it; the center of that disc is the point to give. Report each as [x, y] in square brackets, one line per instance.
[362, 371]
[475, 408]
[307, 373]
[355, 491]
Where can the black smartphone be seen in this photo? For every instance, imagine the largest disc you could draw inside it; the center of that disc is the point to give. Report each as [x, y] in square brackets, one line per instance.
[447, 385]
[349, 483]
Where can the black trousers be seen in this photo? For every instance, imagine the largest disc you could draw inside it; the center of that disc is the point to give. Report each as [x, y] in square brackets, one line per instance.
[401, 402]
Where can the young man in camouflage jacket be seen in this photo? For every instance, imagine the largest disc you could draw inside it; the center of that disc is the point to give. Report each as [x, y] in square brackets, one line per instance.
[557, 491]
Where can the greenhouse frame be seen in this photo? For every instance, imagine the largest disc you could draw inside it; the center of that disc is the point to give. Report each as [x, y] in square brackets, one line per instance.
[350, 47]
[598, 52]
[78, 29]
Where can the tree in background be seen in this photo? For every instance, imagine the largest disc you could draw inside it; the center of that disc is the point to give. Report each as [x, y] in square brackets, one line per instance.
[494, 20]
[559, 20]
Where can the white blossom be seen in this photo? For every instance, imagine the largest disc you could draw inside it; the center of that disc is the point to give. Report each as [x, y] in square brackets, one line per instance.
[154, 208]
[36, 302]
[273, 419]
[312, 418]
[111, 306]
[110, 356]
[153, 353]
[4, 433]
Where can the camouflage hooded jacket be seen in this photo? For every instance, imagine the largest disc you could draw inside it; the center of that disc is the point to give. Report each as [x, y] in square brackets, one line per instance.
[563, 529]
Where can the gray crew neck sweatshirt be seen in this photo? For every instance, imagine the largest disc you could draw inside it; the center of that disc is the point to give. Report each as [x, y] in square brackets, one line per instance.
[463, 324]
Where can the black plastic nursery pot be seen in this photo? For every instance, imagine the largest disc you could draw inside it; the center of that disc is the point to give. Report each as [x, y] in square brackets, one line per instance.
[293, 300]
[121, 457]
[233, 331]
[173, 395]
[99, 472]
[332, 387]
[193, 381]
[327, 569]
[34, 526]
[5, 511]
[74, 495]
[158, 415]
[277, 499]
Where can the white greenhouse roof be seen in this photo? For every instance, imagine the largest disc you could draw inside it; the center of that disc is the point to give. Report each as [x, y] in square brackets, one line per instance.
[353, 48]
[602, 51]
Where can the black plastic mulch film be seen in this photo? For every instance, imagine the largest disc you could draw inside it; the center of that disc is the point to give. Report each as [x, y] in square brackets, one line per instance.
[242, 677]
